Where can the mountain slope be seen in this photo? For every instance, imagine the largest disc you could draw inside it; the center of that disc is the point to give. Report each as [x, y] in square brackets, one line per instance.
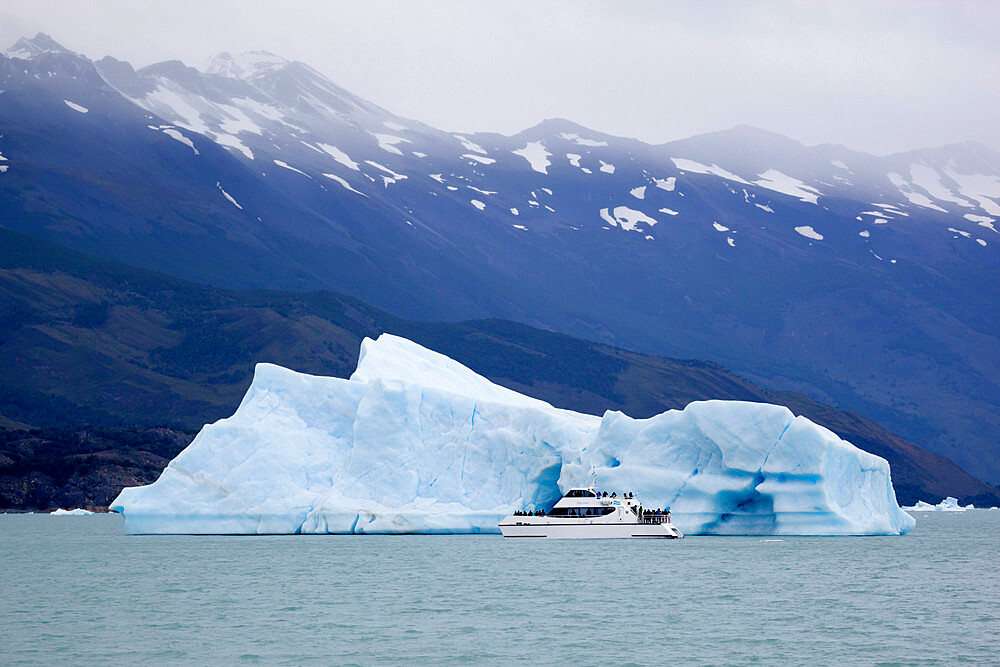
[91, 340]
[866, 282]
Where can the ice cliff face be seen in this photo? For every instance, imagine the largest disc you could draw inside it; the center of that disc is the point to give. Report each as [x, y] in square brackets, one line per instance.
[416, 442]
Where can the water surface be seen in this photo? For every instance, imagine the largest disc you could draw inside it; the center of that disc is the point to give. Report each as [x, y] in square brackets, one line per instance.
[78, 590]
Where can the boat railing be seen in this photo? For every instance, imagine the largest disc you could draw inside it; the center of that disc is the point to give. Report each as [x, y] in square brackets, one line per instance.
[654, 518]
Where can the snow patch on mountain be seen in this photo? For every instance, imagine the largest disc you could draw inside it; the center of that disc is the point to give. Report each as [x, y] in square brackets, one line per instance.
[627, 218]
[285, 165]
[864, 233]
[394, 126]
[839, 164]
[340, 156]
[344, 182]
[764, 207]
[907, 191]
[772, 179]
[176, 135]
[230, 141]
[536, 155]
[469, 145]
[577, 139]
[246, 65]
[982, 221]
[694, 167]
[607, 167]
[808, 232]
[235, 120]
[264, 110]
[481, 159]
[607, 217]
[392, 176]
[28, 48]
[972, 217]
[639, 192]
[892, 208]
[983, 188]
[478, 204]
[720, 228]
[387, 142]
[76, 107]
[172, 106]
[666, 183]
[926, 178]
[19, 53]
[574, 159]
[669, 211]
[228, 196]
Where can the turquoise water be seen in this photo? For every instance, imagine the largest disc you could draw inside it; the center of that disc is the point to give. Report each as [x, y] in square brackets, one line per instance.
[77, 590]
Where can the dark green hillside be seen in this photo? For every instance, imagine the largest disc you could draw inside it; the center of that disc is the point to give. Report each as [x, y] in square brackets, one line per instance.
[84, 467]
[87, 341]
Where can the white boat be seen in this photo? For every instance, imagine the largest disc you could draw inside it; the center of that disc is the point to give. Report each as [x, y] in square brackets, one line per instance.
[585, 513]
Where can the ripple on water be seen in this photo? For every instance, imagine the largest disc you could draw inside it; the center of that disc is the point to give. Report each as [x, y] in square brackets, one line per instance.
[82, 592]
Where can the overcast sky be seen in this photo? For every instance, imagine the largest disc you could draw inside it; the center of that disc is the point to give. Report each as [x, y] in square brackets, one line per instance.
[876, 76]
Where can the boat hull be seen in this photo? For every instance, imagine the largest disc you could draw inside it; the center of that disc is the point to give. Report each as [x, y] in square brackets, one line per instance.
[569, 531]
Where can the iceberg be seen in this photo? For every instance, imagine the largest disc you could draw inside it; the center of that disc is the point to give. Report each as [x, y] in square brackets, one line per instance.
[949, 504]
[76, 512]
[414, 442]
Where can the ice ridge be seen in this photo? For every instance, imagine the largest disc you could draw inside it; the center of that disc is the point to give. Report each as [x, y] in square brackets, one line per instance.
[414, 442]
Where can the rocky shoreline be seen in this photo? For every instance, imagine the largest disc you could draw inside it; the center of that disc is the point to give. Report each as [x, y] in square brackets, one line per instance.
[46, 469]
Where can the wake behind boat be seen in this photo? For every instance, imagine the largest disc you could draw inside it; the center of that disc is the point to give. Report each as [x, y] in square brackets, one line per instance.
[585, 513]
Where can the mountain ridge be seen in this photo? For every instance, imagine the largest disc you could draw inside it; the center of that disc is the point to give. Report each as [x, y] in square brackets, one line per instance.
[867, 282]
[124, 348]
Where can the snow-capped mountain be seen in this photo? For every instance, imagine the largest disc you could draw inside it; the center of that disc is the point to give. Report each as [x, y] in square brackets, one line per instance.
[866, 281]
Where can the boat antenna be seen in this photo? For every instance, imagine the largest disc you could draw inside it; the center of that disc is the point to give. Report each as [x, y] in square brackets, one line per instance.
[593, 476]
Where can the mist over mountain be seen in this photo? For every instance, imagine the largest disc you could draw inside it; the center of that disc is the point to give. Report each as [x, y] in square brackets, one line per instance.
[866, 282]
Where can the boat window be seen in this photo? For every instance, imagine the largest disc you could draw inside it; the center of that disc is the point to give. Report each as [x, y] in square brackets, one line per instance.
[581, 511]
[581, 493]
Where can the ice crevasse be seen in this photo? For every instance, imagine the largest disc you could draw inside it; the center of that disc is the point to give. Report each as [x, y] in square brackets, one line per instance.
[415, 442]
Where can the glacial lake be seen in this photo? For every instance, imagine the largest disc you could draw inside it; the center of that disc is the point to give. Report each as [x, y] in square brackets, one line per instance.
[77, 590]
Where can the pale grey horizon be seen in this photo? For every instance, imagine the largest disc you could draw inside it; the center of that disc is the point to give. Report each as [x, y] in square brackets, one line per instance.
[876, 77]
